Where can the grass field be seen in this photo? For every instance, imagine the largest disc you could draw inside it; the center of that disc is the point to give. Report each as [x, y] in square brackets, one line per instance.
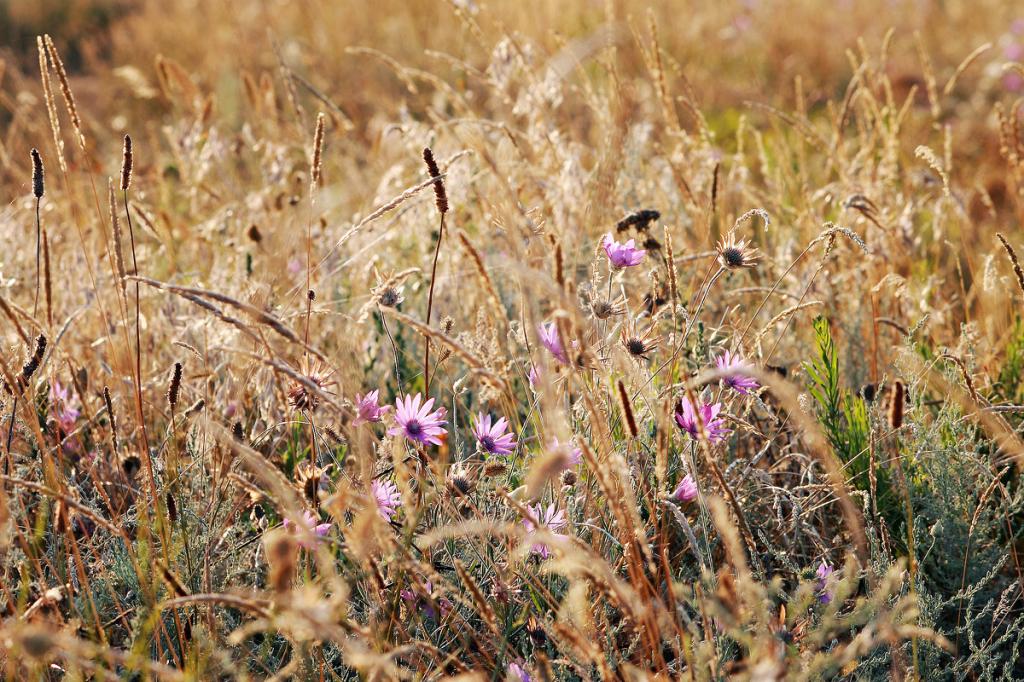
[430, 339]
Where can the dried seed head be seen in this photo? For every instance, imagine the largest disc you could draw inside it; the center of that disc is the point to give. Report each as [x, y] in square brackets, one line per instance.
[110, 414]
[254, 233]
[569, 478]
[195, 408]
[172, 508]
[32, 364]
[627, 409]
[127, 161]
[459, 483]
[175, 386]
[440, 195]
[282, 554]
[390, 297]
[641, 219]
[896, 404]
[639, 343]
[318, 148]
[735, 253]
[494, 468]
[603, 309]
[131, 465]
[237, 432]
[37, 174]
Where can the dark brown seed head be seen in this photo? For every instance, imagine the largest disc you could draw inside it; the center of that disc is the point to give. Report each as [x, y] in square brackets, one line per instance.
[641, 219]
[569, 478]
[172, 508]
[131, 465]
[237, 432]
[896, 404]
[37, 174]
[32, 364]
[254, 233]
[440, 195]
[175, 386]
[127, 160]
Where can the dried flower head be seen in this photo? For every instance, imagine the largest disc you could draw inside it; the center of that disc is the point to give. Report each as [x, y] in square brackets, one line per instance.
[639, 343]
[460, 483]
[389, 296]
[602, 309]
[306, 396]
[735, 253]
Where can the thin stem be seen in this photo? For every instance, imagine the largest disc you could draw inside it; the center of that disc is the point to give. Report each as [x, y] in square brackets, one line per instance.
[430, 306]
[35, 303]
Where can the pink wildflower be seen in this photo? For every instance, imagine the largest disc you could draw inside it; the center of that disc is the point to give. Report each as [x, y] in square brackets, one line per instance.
[416, 422]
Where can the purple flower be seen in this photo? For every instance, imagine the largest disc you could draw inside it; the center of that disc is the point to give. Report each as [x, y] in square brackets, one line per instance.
[824, 574]
[686, 491]
[552, 340]
[426, 604]
[309, 527]
[574, 455]
[533, 377]
[622, 255]
[416, 422]
[736, 380]
[387, 497]
[687, 418]
[368, 409]
[63, 412]
[494, 439]
[553, 520]
[518, 673]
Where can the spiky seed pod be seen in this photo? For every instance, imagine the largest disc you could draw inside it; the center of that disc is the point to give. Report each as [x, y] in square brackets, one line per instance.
[460, 484]
[175, 386]
[127, 161]
[896, 404]
[237, 432]
[440, 195]
[37, 174]
[494, 468]
[569, 478]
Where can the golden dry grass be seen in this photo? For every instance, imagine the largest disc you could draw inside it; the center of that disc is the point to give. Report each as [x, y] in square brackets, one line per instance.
[837, 189]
